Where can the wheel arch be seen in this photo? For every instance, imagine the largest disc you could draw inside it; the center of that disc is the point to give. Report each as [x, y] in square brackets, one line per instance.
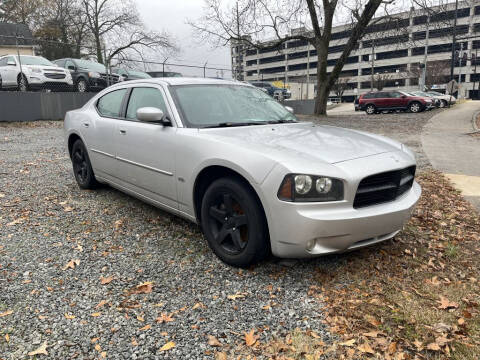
[213, 172]
[72, 137]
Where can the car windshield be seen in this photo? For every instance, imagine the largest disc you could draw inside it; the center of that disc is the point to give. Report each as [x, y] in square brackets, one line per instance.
[90, 65]
[420, 93]
[434, 93]
[228, 105]
[35, 60]
[139, 74]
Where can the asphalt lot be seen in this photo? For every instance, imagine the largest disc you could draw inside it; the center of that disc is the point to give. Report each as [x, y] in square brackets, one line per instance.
[404, 127]
[71, 262]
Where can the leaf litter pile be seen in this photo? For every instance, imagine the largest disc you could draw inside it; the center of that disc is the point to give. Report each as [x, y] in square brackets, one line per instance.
[416, 297]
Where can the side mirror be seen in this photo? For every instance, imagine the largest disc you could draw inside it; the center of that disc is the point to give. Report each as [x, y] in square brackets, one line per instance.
[153, 115]
[290, 109]
[404, 96]
[71, 67]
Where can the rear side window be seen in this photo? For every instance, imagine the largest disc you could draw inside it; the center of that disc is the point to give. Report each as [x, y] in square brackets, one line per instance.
[3, 61]
[110, 104]
[368, 96]
[145, 97]
[381, 95]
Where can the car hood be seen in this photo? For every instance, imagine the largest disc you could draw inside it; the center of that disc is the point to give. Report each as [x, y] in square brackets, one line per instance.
[44, 67]
[304, 141]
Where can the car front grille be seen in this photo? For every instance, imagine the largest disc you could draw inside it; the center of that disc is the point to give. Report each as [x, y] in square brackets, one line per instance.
[55, 76]
[384, 187]
[112, 79]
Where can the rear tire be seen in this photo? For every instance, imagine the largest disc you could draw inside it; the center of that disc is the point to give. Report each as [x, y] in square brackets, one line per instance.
[234, 223]
[82, 168]
[370, 109]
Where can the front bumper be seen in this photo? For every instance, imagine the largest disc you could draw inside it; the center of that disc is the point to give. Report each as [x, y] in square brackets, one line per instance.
[41, 82]
[302, 230]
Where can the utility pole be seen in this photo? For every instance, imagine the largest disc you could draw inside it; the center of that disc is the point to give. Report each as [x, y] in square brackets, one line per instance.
[204, 69]
[373, 64]
[460, 63]
[163, 66]
[424, 72]
[18, 50]
[454, 42]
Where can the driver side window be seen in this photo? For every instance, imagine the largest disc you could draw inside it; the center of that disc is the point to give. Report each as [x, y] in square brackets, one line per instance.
[145, 97]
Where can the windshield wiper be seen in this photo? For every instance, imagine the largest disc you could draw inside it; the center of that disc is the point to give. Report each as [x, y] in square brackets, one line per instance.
[234, 124]
[282, 121]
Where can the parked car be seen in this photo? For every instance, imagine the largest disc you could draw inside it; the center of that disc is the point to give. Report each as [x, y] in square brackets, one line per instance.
[229, 157]
[436, 101]
[33, 73]
[376, 101]
[444, 99]
[129, 74]
[88, 75]
[272, 90]
[162, 74]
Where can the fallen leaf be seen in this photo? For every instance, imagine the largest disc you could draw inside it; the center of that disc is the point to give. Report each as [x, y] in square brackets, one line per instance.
[213, 341]
[7, 338]
[144, 288]
[164, 318]
[392, 348]
[2, 195]
[107, 280]
[236, 296]
[71, 264]
[98, 347]
[15, 222]
[5, 313]
[42, 350]
[100, 304]
[169, 345]
[198, 305]
[145, 328]
[250, 338]
[433, 347]
[68, 209]
[348, 342]
[134, 342]
[103, 354]
[461, 321]
[97, 314]
[69, 317]
[446, 304]
[94, 340]
[366, 348]
[220, 356]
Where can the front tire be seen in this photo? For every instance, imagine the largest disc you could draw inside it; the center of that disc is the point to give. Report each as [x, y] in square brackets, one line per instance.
[443, 103]
[82, 168]
[22, 83]
[415, 107]
[233, 223]
[82, 86]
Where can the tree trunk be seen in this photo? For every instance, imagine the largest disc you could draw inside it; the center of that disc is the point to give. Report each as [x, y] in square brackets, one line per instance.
[323, 90]
[98, 46]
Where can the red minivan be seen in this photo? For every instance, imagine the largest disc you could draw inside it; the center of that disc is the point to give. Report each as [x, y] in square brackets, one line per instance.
[376, 101]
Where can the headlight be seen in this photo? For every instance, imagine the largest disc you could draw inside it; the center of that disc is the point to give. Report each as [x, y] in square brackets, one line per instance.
[299, 188]
[303, 184]
[94, 74]
[35, 70]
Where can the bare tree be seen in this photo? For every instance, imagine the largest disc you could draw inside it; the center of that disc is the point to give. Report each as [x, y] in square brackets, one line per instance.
[341, 84]
[116, 24]
[251, 21]
[437, 73]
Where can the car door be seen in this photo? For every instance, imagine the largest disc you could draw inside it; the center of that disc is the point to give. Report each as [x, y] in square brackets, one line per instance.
[397, 100]
[9, 72]
[100, 132]
[381, 100]
[145, 151]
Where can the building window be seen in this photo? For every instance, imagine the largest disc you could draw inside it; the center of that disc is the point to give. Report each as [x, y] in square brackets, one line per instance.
[298, 55]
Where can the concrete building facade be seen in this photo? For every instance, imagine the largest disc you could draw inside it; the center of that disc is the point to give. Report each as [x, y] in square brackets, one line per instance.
[398, 49]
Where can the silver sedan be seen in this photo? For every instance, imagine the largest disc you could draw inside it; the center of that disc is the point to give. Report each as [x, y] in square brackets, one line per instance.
[229, 157]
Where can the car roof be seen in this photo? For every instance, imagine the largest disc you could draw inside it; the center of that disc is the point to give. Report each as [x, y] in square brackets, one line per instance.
[187, 81]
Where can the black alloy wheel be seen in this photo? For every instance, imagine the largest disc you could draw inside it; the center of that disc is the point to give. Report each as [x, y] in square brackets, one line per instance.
[82, 167]
[233, 223]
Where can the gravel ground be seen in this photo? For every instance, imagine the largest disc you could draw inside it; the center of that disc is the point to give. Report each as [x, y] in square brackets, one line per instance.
[46, 221]
[404, 127]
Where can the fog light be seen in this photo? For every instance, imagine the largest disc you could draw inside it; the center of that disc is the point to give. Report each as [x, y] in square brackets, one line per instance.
[310, 244]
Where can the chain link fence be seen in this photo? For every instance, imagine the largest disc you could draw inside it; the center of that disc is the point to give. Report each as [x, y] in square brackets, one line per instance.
[28, 64]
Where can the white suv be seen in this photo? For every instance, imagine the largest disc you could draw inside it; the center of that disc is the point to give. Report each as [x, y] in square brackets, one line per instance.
[33, 73]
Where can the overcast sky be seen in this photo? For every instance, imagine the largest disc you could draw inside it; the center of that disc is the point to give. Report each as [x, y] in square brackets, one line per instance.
[171, 16]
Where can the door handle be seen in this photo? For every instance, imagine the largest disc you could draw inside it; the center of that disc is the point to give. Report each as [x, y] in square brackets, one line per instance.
[86, 124]
[123, 131]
